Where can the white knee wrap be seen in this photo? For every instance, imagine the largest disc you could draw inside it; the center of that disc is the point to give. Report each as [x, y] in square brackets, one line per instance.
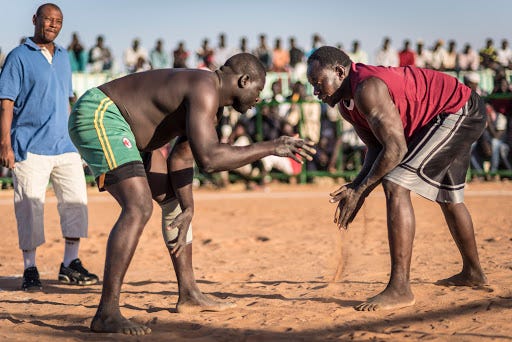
[171, 209]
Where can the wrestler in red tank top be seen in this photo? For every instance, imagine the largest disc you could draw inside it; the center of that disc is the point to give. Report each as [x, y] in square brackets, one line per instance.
[418, 94]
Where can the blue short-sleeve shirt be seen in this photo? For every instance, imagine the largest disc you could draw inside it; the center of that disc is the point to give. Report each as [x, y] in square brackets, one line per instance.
[41, 93]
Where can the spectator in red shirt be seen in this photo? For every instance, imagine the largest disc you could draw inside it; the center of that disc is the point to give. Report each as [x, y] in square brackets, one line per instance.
[406, 56]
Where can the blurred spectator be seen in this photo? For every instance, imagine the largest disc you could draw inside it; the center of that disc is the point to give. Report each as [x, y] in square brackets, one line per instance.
[357, 55]
[158, 58]
[77, 54]
[328, 148]
[286, 165]
[488, 55]
[468, 59]
[222, 52]
[450, 57]
[438, 55]
[386, 55]
[180, 56]
[499, 110]
[205, 56]
[316, 42]
[296, 53]
[100, 58]
[135, 57]
[280, 57]
[304, 113]
[481, 149]
[504, 55]
[2, 58]
[406, 56]
[423, 56]
[298, 66]
[243, 46]
[263, 52]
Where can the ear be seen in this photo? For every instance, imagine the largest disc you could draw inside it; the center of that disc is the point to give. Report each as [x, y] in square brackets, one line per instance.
[340, 71]
[244, 80]
[34, 19]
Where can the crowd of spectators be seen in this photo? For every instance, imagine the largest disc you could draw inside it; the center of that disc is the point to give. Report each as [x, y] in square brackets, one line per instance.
[288, 107]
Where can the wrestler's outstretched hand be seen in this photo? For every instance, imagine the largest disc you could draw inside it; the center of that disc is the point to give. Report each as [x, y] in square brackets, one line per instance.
[295, 148]
[349, 202]
[182, 222]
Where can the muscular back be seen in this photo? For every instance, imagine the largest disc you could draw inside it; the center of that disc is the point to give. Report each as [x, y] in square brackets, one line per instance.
[155, 103]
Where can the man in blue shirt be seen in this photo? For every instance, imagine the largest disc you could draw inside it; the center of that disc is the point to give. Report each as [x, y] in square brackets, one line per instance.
[35, 89]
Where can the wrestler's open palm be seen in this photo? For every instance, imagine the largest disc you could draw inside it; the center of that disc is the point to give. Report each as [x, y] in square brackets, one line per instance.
[349, 202]
[182, 222]
[294, 148]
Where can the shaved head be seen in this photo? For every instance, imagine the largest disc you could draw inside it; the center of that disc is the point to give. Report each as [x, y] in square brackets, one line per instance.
[246, 63]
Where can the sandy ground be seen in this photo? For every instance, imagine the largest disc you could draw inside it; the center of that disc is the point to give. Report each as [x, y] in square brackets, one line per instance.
[275, 253]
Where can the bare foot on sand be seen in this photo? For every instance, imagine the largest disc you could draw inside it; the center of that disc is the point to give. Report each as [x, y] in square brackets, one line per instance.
[472, 279]
[202, 303]
[387, 300]
[118, 324]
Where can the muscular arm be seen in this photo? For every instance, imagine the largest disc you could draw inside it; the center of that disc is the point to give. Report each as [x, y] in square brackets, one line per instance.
[212, 156]
[6, 115]
[388, 147]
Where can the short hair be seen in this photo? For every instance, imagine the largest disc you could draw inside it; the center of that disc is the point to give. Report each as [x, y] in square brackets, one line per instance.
[329, 56]
[246, 63]
[40, 8]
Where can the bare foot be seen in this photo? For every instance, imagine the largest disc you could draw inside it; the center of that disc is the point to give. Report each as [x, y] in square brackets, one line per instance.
[387, 300]
[202, 303]
[464, 279]
[118, 324]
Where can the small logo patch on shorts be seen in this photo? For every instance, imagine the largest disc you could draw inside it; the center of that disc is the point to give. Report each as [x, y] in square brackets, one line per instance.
[127, 143]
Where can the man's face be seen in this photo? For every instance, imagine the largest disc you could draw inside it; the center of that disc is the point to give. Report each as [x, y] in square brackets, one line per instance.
[250, 95]
[47, 24]
[326, 82]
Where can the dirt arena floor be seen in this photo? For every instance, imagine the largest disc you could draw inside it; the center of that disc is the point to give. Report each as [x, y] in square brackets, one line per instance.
[294, 276]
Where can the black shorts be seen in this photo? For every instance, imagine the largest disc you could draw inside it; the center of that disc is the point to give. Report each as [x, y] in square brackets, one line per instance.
[438, 156]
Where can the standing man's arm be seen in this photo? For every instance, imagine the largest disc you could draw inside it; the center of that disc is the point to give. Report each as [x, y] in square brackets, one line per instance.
[6, 115]
[213, 156]
[373, 100]
[181, 173]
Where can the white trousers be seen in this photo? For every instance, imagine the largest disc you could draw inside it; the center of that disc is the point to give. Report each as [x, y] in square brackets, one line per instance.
[30, 181]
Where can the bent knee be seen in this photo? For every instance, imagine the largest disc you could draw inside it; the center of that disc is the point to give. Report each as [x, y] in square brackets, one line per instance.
[140, 212]
[392, 189]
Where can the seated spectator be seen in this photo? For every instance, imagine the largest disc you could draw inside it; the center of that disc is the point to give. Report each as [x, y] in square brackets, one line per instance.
[205, 56]
[222, 51]
[504, 55]
[450, 57]
[280, 57]
[298, 66]
[438, 55]
[406, 56]
[304, 113]
[358, 55]
[2, 58]
[263, 52]
[468, 59]
[286, 165]
[498, 110]
[158, 58]
[135, 56]
[488, 55]
[423, 56]
[386, 55]
[100, 57]
[77, 54]
[180, 55]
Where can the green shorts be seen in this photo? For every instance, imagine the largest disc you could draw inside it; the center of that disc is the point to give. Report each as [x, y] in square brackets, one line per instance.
[101, 134]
